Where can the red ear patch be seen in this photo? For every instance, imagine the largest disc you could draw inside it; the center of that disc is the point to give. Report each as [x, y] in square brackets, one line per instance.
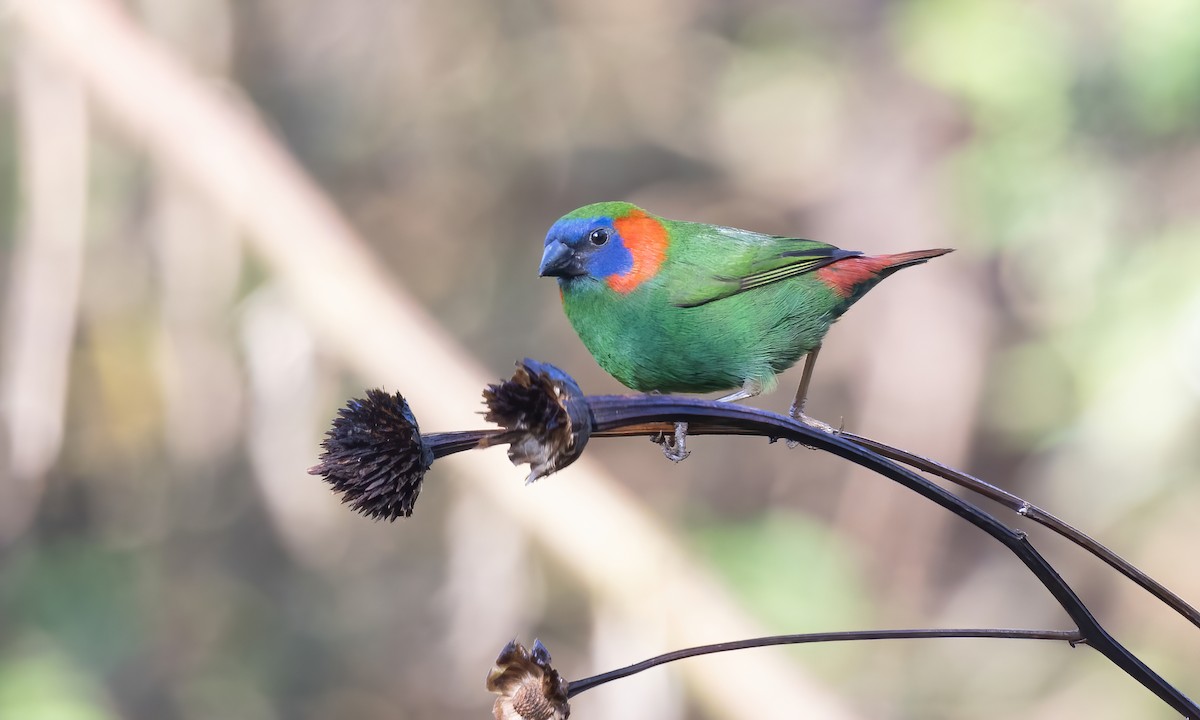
[646, 240]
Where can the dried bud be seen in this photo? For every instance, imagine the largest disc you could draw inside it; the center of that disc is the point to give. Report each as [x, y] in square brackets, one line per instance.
[528, 687]
[374, 456]
[545, 414]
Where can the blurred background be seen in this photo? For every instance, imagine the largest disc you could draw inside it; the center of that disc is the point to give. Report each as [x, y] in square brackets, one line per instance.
[170, 351]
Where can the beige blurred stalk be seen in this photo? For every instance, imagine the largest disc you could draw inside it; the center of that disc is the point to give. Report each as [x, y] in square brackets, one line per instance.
[197, 130]
[43, 295]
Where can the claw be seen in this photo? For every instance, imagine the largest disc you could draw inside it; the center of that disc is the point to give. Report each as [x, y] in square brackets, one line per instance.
[674, 446]
[812, 423]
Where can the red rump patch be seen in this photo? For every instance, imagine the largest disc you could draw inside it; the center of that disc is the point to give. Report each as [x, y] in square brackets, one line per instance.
[646, 240]
[846, 275]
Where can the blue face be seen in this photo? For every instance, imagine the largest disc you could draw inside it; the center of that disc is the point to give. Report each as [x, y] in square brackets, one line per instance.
[585, 246]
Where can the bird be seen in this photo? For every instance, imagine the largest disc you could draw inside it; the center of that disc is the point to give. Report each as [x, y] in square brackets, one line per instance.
[668, 306]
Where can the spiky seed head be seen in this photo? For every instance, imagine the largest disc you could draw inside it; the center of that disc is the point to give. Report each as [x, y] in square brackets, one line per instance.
[374, 456]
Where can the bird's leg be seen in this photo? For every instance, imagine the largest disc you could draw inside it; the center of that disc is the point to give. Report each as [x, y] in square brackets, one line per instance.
[797, 409]
[750, 388]
[675, 448]
[810, 361]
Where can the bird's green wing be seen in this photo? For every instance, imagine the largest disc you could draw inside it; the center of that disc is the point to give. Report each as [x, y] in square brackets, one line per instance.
[726, 261]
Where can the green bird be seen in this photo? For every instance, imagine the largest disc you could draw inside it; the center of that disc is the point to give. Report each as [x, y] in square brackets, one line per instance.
[672, 306]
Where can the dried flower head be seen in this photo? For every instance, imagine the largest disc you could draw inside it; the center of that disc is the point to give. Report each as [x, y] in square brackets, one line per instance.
[374, 456]
[529, 688]
[547, 419]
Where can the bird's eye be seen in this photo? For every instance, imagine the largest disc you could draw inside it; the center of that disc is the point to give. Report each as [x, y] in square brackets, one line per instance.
[598, 237]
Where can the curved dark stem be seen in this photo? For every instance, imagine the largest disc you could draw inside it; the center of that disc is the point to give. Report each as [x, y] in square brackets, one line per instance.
[1003, 497]
[1074, 637]
[610, 412]
[624, 415]
[376, 458]
[1038, 515]
[448, 443]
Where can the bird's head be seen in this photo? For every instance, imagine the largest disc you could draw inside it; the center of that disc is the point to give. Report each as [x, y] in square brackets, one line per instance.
[616, 242]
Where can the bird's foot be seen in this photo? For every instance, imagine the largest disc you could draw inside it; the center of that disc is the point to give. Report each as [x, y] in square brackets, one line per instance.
[674, 447]
[798, 414]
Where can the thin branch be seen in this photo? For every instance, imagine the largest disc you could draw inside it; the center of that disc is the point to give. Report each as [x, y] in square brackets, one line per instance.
[1074, 637]
[1038, 515]
[609, 412]
[1009, 500]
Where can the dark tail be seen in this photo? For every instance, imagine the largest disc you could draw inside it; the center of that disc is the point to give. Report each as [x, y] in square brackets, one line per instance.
[889, 264]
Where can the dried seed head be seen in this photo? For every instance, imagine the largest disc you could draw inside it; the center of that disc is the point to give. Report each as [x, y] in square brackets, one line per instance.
[374, 456]
[545, 414]
[529, 688]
